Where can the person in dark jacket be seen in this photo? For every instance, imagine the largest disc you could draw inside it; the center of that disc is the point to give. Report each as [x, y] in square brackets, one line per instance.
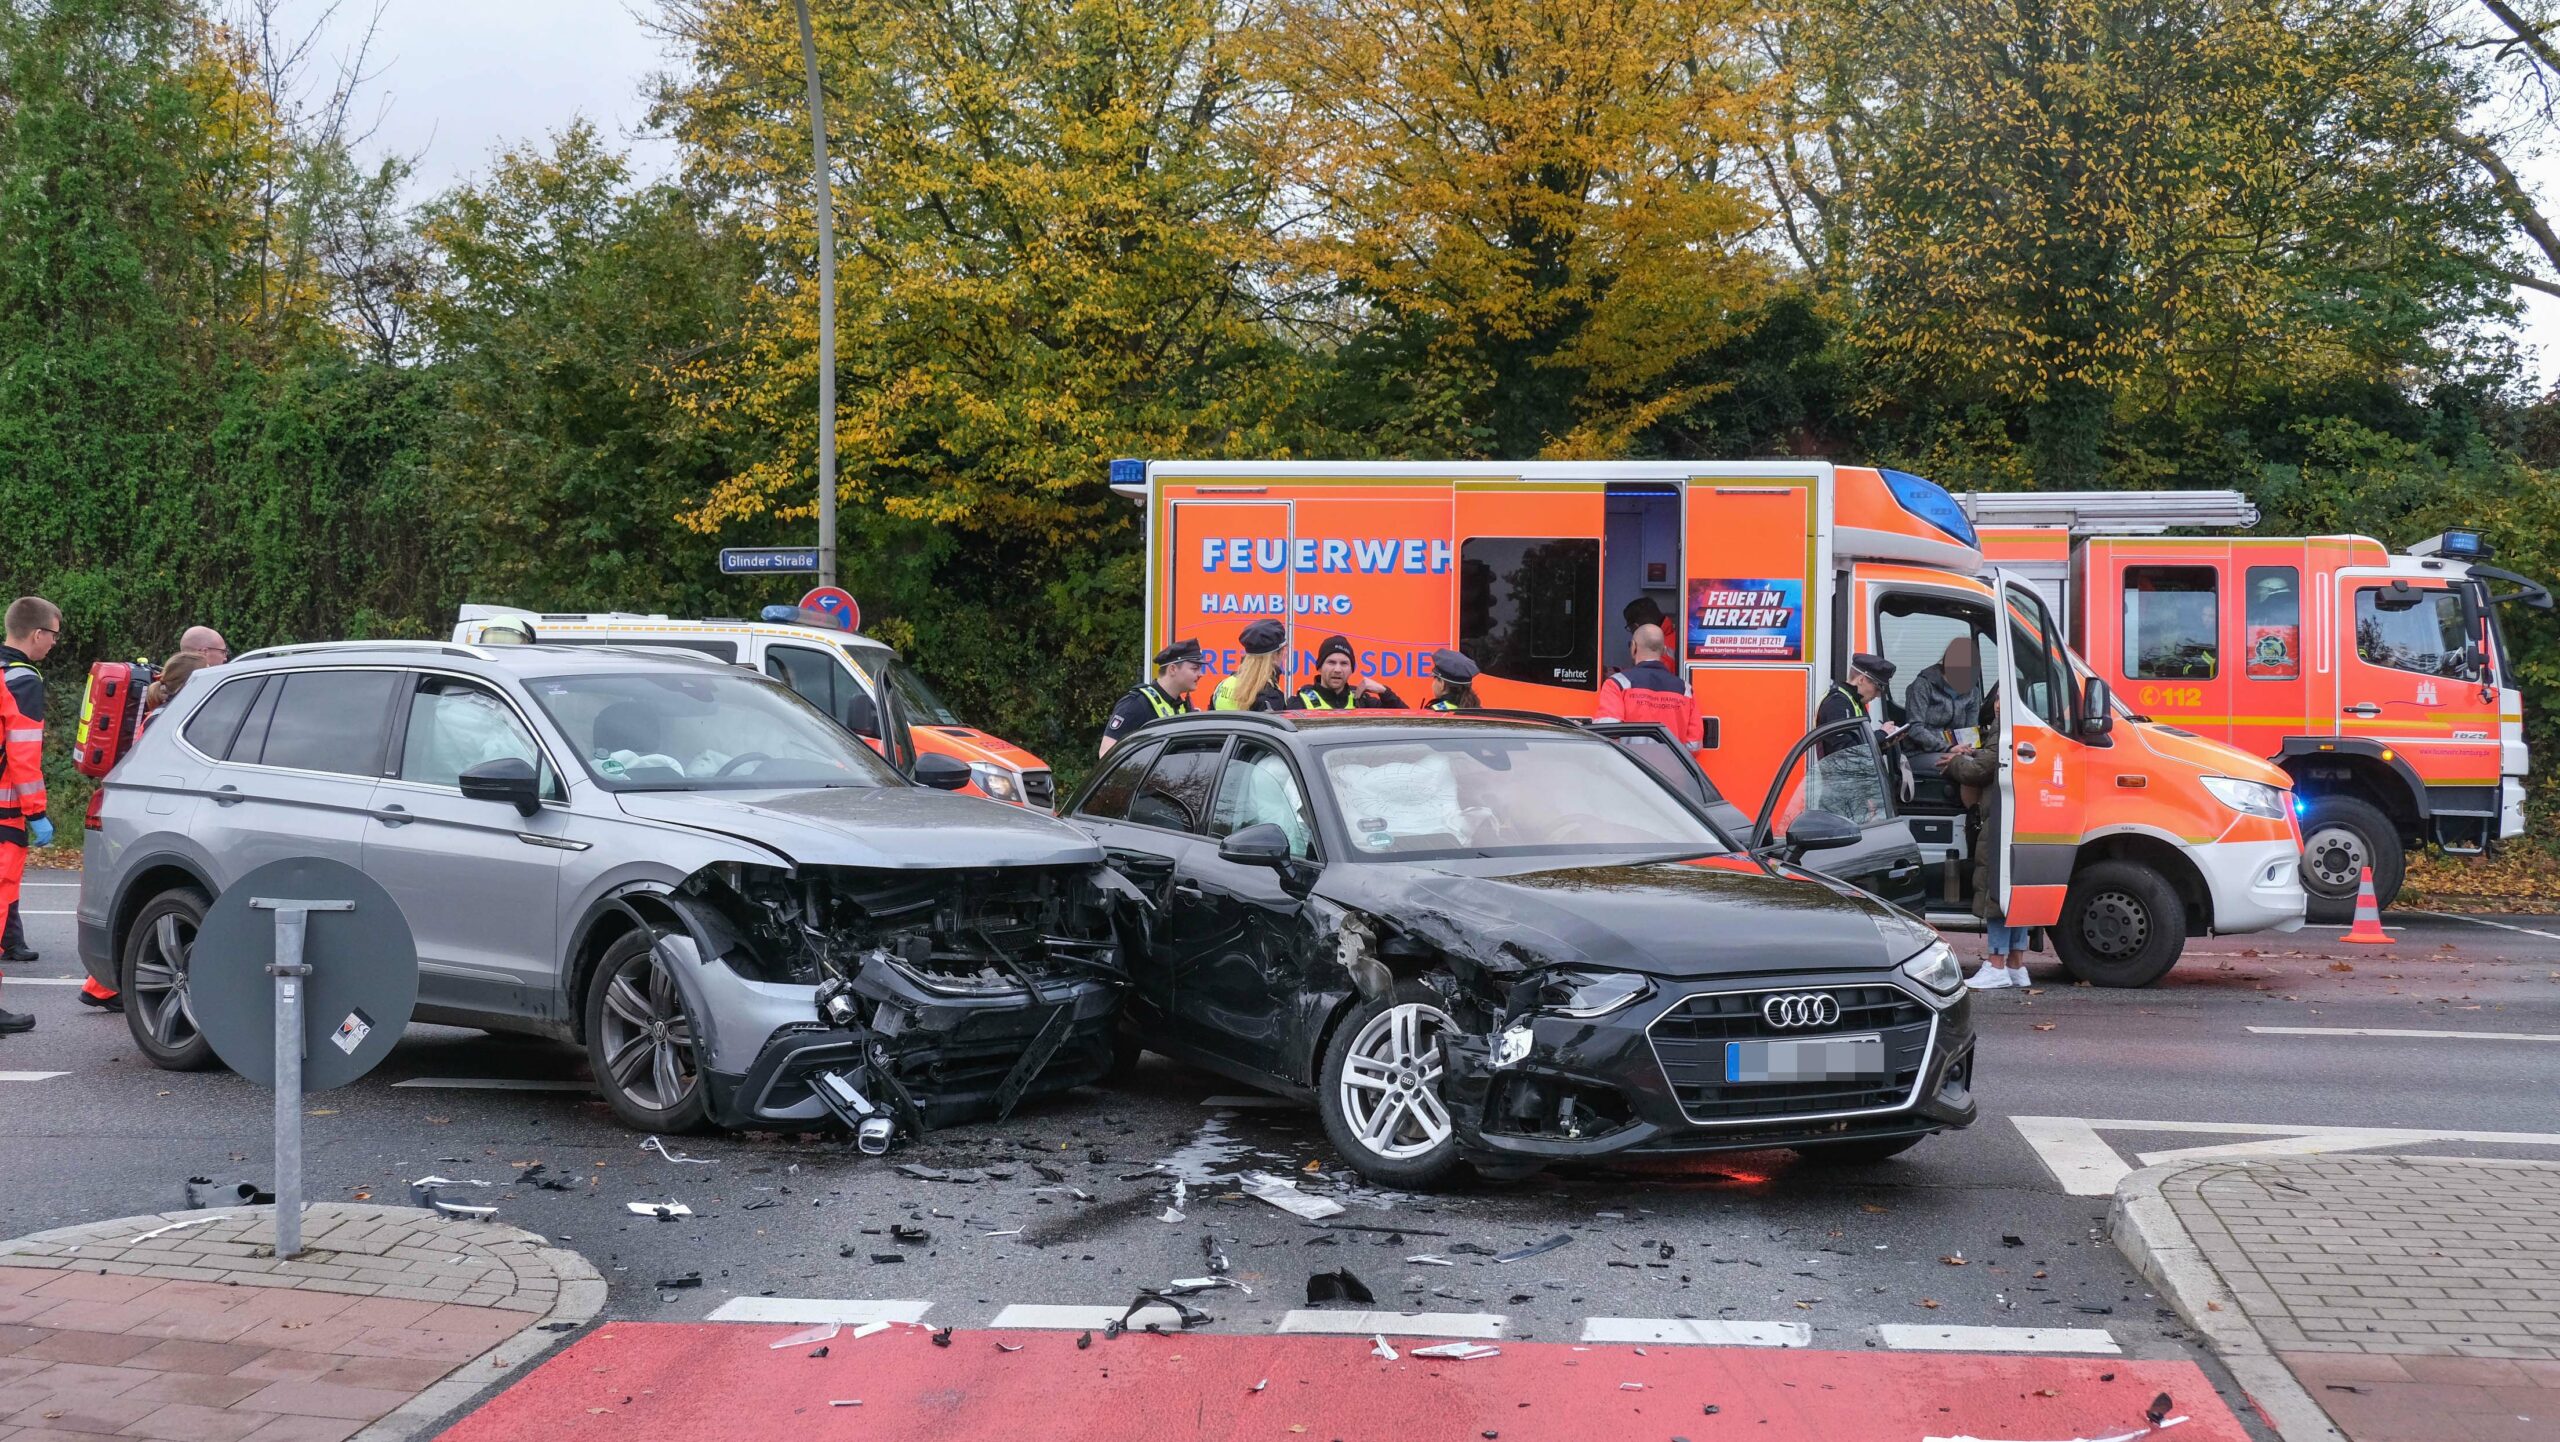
[1338, 687]
[1169, 694]
[1453, 682]
[1976, 771]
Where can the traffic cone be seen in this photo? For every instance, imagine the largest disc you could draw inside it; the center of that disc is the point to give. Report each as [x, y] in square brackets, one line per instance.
[2368, 928]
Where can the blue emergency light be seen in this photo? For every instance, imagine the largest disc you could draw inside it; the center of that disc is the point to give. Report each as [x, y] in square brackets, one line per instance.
[804, 616]
[1930, 502]
[1126, 472]
[2456, 546]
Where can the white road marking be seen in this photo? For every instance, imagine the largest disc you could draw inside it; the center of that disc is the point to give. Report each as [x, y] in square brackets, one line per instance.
[2087, 1341]
[495, 1084]
[30, 1076]
[31, 911]
[842, 1311]
[1394, 1324]
[1052, 1317]
[2397, 1031]
[44, 981]
[2087, 1166]
[2484, 921]
[1693, 1332]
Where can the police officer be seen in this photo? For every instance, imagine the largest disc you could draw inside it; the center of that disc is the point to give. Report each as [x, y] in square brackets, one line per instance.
[1453, 682]
[1847, 700]
[32, 624]
[1255, 685]
[1177, 672]
[1332, 689]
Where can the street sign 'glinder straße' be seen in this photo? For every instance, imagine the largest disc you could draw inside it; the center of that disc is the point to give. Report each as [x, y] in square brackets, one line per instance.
[768, 560]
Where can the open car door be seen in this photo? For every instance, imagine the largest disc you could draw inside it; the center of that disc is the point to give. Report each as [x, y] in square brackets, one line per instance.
[1653, 744]
[1839, 768]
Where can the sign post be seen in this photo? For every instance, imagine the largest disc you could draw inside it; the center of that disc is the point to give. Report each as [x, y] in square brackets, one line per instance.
[302, 978]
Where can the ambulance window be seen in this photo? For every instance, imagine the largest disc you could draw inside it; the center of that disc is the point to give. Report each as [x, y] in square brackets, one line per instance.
[2272, 651]
[812, 673]
[2044, 678]
[210, 730]
[716, 650]
[1941, 660]
[2419, 631]
[2170, 623]
[1529, 610]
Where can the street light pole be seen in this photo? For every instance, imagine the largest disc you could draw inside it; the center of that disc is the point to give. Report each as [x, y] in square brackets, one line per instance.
[824, 189]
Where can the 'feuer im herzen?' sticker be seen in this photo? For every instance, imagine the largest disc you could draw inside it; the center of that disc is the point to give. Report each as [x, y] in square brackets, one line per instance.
[352, 1032]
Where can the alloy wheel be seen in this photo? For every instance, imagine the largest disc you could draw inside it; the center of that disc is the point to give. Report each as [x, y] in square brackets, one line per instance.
[160, 981]
[1390, 1088]
[2115, 924]
[648, 1041]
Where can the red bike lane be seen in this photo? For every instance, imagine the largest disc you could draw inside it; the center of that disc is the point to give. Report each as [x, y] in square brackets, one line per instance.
[712, 1382]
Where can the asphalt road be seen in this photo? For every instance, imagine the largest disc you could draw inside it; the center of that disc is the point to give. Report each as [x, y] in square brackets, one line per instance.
[1753, 1237]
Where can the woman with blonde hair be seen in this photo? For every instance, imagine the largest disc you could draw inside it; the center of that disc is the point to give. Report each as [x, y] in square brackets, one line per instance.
[1255, 685]
[165, 687]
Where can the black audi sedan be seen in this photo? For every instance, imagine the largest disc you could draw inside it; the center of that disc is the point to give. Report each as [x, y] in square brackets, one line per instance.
[1503, 941]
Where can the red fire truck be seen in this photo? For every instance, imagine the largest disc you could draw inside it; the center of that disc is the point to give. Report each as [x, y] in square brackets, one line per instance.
[2379, 681]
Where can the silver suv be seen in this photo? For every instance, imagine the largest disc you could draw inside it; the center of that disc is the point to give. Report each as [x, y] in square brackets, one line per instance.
[742, 913]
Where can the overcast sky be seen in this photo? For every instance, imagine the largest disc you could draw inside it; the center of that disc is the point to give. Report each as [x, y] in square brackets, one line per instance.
[459, 79]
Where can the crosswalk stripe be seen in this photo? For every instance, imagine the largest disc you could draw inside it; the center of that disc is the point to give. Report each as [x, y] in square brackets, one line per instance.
[2092, 1341]
[814, 1310]
[1050, 1317]
[1394, 1324]
[1696, 1332]
[30, 1076]
[2405, 1032]
[44, 981]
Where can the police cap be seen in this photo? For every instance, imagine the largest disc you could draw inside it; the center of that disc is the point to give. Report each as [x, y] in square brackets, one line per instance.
[1453, 666]
[1264, 637]
[1179, 652]
[1873, 665]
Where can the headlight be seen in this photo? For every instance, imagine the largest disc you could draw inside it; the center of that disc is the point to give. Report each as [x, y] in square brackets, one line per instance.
[997, 781]
[1584, 994]
[1936, 969]
[2252, 798]
[1512, 1047]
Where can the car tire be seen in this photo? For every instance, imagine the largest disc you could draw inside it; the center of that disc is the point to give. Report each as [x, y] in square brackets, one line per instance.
[1391, 1041]
[2341, 835]
[641, 1040]
[152, 977]
[1858, 1153]
[2122, 925]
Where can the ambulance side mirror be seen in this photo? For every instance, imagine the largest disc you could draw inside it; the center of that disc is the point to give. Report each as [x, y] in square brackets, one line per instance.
[2097, 710]
[862, 716]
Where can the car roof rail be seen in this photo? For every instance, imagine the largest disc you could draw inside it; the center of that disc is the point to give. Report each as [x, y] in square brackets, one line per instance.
[1272, 719]
[304, 648]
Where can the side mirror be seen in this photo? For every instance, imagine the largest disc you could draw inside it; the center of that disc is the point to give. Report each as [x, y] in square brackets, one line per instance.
[942, 773]
[862, 716]
[2097, 709]
[1820, 831]
[510, 779]
[1261, 844]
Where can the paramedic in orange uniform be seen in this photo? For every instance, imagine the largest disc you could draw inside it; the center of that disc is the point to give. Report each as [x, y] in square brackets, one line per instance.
[33, 624]
[1649, 690]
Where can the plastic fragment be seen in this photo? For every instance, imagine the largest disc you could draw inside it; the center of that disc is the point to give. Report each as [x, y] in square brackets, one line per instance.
[468, 1214]
[663, 1211]
[255, 1196]
[1536, 1249]
[1379, 1348]
[1084, 1342]
[1282, 1192]
[871, 1328]
[2158, 1409]
[1427, 1260]
[846, 1402]
[176, 1226]
[674, 1284]
[1170, 1215]
[822, 1351]
[1459, 1351]
[901, 1232]
[1258, 1386]
[1338, 1286]
[887, 1258]
[655, 1145]
[825, 1332]
[1008, 1346]
[942, 1338]
[1631, 1386]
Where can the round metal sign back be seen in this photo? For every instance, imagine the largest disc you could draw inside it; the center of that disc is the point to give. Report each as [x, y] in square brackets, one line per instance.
[357, 998]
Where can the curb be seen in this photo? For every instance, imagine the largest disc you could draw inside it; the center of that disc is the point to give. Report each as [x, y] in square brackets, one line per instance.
[2148, 1232]
[581, 1297]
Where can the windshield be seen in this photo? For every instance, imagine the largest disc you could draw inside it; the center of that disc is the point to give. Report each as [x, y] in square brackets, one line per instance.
[703, 731]
[924, 705]
[1506, 796]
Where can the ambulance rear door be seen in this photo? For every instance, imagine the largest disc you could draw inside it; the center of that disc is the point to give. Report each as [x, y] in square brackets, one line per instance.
[1527, 592]
[1757, 557]
[1226, 566]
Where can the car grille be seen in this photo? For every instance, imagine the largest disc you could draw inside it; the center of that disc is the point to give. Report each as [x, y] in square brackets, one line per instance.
[1688, 1042]
[1040, 789]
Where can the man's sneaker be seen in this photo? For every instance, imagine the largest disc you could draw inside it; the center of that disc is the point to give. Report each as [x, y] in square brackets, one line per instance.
[21, 955]
[112, 1001]
[15, 1021]
[1987, 977]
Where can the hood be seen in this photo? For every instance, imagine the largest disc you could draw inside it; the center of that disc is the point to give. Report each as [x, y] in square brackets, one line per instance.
[1721, 916]
[2208, 758]
[901, 828]
[968, 743]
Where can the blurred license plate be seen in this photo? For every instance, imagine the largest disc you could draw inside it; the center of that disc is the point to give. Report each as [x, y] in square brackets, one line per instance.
[1827, 1058]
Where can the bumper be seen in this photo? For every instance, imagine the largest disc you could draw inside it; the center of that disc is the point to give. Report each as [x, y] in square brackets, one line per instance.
[2510, 808]
[946, 1057]
[2255, 885]
[1643, 1082]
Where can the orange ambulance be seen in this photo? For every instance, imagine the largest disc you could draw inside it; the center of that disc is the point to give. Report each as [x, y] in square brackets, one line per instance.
[2121, 837]
[2378, 682]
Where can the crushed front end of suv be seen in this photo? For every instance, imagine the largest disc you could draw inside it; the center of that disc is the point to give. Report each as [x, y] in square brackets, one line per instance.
[1507, 943]
[744, 915]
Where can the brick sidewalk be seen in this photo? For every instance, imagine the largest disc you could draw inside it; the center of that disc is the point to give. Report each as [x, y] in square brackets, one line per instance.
[2415, 1299]
[390, 1318]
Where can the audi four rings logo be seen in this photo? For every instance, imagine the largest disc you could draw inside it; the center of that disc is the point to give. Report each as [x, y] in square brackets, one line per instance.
[1804, 1008]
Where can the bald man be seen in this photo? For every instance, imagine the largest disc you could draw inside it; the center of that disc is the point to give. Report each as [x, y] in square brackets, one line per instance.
[1649, 689]
[206, 642]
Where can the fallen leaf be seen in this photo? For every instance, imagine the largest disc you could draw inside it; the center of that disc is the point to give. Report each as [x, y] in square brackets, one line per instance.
[1955, 1261]
[1929, 1302]
[1872, 1207]
[1315, 1166]
[2044, 1026]
[2342, 966]
[2213, 1306]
